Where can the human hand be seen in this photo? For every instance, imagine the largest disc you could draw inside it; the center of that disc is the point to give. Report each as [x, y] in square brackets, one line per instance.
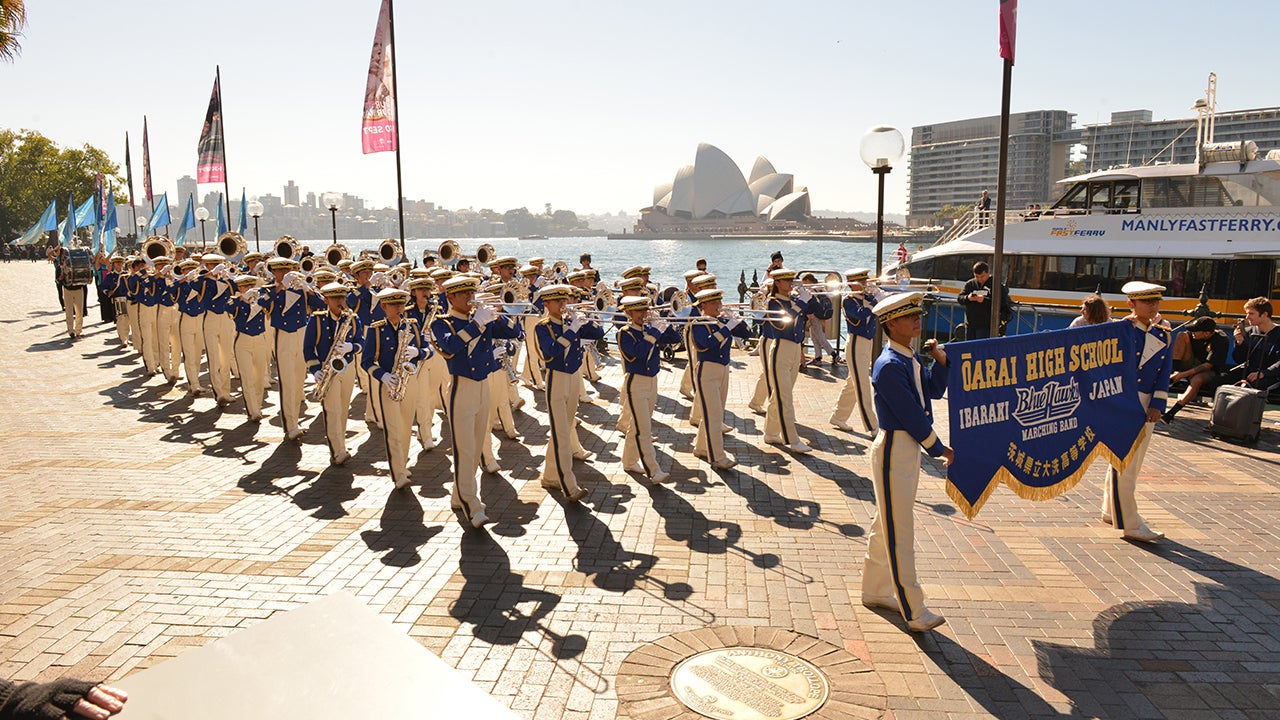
[484, 315]
[734, 321]
[804, 295]
[948, 456]
[576, 323]
[391, 381]
[345, 348]
[317, 376]
[1153, 415]
[661, 324]
[411, 352]
[102, 702]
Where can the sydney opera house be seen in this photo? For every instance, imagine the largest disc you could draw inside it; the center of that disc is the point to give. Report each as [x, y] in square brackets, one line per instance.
[712, 197]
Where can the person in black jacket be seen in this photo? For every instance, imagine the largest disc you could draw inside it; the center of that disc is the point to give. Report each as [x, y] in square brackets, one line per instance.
[65, 697]
[976, 299]
[1201, 357]
[1258, 350]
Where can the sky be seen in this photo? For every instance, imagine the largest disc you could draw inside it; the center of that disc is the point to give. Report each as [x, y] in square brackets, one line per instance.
[588, 104]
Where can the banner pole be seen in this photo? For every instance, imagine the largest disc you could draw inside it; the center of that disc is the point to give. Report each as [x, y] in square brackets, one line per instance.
[395, 93]
[222, 127]
[997, 259]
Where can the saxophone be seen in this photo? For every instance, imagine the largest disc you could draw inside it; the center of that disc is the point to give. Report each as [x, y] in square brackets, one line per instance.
[403, 368]
[333, 363]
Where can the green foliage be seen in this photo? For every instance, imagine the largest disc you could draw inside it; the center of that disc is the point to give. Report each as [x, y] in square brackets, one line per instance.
[559, 222]
[34, 170]
[949, 212]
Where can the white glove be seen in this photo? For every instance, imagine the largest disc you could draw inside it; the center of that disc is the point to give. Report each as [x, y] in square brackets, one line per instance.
[576, 323]
[191, 276]
[317, 376]
[661, 324]
[499, 354]
[345, 347]
[804, 295]
[250, 295]
[293, 280]
[412, 352]
[484, 315]
[391, 381]
[734, 321]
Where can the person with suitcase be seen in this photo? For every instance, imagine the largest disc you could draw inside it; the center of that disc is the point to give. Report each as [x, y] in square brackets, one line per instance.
[1258, 348]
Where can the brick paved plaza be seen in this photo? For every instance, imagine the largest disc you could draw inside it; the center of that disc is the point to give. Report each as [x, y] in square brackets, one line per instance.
[139, 523]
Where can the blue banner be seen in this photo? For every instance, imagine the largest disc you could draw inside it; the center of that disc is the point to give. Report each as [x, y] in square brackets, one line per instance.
[188, 221]
[160, 216]
[1034, 411]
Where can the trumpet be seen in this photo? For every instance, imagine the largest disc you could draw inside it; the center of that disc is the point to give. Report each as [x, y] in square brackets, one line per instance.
[500, 305]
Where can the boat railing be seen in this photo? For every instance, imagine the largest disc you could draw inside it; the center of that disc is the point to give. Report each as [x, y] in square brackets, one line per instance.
[979, 220]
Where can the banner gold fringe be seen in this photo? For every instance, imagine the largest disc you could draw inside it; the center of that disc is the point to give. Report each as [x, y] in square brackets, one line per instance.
[1029, 492]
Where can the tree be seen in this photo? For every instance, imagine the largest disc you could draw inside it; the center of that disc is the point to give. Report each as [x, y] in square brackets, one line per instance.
[12, 17]
[33, 171]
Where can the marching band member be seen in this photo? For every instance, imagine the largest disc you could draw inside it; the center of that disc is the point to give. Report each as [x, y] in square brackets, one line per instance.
[253, 354]
[384, 357]
[579, 280]
[781, 358]
[903, 391]
[1153, 351]
[190, 292]
[465, 338]
[861, 324]
[132, 286]
[705, 281]
[712, 342]
[362, 302]
[506, 268]
[112, 285]
[319, 341]
[219, 327]
[559, 342]
[433, 378]
[533, 373]
[686, 377]
[499, 389]
[761, 394]
[290, 304]
[639, 343]
[629, 287]
[167, 332]
[147, 302]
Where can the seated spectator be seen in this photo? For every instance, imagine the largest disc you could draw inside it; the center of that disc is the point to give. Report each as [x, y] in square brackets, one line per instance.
[1200, 357]
[64, 698]
[1257, 349]
[1093, 311]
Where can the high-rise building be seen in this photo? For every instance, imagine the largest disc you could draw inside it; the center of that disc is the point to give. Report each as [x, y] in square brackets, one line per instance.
[1133, 138]
[291, 194]
[186, 189]
[311, 199]
[952, 163]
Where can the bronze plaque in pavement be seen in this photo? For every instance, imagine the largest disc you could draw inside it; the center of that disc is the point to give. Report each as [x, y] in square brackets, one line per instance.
[748, 683]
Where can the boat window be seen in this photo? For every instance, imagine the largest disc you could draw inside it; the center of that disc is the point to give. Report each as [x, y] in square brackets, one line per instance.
[1122, 269]
[921, 268]
[1248, 278]
[1165, 192]
[1060, 273]
[1251, 190]
[1124, 196]
[1099, 195]
[944, 267]
[1208, 192]
[1092, 273]
[1075, 199]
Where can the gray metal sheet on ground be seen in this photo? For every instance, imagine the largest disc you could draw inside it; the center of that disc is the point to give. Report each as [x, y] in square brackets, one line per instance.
[333, 659]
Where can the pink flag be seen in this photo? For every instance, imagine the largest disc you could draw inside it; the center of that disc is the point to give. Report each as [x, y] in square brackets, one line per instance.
[1008, 28]
[379, 127]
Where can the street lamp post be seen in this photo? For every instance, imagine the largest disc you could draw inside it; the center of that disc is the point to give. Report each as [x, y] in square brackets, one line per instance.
[333, 201]
[880, 148]
[202, 214]
[142, 223]
[255, 209]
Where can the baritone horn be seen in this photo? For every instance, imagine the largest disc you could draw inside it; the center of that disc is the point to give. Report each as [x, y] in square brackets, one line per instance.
[605, 301]
[336, 253]
[232, 246]
[485, 254]
[157, 246]
[449, 252]
[308, 265]
[389, 251]
[287, 247]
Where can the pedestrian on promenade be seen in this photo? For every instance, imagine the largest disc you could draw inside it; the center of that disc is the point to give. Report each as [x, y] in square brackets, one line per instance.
[903, 389]
[1200, 354]
[974, 298]
[1093, 311]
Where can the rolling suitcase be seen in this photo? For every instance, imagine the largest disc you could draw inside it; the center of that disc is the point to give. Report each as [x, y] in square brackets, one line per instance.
[1237, 413]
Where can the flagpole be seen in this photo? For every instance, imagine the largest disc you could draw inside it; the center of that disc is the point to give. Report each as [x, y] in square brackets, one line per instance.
[133, 210]
[395, 93]
[997, 258]
[226, 188]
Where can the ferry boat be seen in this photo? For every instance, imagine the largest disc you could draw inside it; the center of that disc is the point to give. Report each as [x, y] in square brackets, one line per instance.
[1211, 227]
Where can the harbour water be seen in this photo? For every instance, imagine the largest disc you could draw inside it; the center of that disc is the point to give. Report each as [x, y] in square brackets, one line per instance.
[669, 258]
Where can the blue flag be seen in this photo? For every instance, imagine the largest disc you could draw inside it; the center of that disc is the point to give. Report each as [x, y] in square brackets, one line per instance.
[1034, 411]
[109, 223]
[69, 225]
[188, 221]
[86, 214]
[244, 215]
[49, 220]
[222, 219]
[161, 216]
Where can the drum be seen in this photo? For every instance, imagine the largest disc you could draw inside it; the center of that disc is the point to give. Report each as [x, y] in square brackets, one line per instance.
[79, 267]
[120, 305]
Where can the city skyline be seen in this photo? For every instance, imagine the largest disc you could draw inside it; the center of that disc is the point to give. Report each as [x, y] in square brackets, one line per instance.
[506, 105]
